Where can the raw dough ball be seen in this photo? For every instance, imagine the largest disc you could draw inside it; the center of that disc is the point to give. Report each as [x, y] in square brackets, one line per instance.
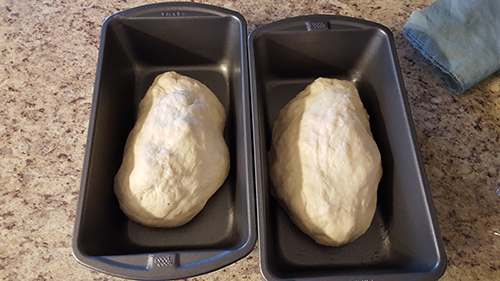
[325, 165]
[175, 158]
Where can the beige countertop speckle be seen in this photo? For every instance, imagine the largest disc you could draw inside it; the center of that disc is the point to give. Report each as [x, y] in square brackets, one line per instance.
[48, 53]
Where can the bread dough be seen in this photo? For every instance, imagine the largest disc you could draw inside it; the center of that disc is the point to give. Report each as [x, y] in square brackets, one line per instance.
[175, 157]
[325, 165]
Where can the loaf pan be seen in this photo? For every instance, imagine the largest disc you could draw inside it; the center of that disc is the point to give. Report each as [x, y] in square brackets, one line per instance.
[204, 42]
[403, 242]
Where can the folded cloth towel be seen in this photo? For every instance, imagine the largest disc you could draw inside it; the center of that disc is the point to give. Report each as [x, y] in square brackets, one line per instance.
[460, 37]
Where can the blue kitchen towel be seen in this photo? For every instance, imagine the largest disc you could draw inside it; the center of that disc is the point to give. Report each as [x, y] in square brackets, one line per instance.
[460, 37]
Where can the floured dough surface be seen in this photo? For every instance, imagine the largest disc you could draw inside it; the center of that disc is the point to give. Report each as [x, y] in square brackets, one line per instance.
[175, 158]
[325, 165]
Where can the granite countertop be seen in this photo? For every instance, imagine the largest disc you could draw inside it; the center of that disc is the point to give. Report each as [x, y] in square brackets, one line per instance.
[48, 54]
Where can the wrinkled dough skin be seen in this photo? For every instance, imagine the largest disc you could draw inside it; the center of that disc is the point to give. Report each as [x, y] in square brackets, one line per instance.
[325, 165]
[175, 157]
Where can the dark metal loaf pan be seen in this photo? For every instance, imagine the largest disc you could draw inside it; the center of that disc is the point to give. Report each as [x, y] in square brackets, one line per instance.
[209, 44]
[403, 242]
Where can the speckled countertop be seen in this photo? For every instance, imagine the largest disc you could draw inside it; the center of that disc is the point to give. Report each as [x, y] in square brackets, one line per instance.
[48, 53]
